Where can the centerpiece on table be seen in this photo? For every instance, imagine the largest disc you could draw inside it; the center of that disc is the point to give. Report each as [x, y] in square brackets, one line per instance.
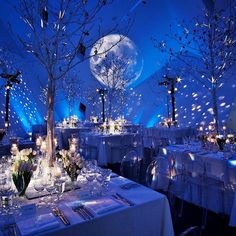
[22, 169]
[72, 163]
[94, 119]
[167, 122]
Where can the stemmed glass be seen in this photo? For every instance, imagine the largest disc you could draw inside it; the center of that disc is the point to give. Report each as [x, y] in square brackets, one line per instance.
[39, 186]
[49, 185]
[106, 173]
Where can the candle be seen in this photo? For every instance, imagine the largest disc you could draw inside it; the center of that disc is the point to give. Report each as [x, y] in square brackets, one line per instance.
[210, 127]
[38, 141]
[55, 141]
[57, 173]
[14, 149]
[72, 148]
[43, 146]
[64, 122]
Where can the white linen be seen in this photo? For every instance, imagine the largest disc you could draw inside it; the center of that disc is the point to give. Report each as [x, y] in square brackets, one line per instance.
[218, 168]
[112, 148]
[154, 136]
[63, 135]
[150, 216]
[39, 225]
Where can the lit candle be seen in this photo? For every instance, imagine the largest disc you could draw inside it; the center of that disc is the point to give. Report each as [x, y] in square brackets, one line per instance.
[64, 122]
[43, 146]
[72, 148]
[55, 141]
[14, 149]
[210, 127]
[38, 141]
[57, 173]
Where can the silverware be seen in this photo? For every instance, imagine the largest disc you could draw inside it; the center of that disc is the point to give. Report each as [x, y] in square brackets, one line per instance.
[7, 230]
[123, 199]
[81, 213]
[88, 211]
[14, 230]
[57, 212]
[84, 212]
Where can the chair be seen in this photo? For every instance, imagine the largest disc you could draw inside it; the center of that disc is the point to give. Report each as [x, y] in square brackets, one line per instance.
[191, 231]
[199, 184]
[158, 174]
[130, 166]
[117, 150]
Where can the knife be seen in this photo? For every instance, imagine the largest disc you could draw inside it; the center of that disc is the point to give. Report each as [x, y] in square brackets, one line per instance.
[123, 199]
[57, 212]
[88, 211]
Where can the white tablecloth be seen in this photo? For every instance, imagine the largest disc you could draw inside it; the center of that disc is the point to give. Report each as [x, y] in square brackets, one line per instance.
[63, 134]
[218, 168]
[112, 148]
[154, 136]
[150, 215]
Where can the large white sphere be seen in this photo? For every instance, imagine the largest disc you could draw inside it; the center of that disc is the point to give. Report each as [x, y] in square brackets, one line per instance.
[120, 47]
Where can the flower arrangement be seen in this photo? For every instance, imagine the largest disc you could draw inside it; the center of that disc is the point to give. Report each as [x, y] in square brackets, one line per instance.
[22, 169]
[167, 122]
[72, 163]
[230, 139]
[94, 119]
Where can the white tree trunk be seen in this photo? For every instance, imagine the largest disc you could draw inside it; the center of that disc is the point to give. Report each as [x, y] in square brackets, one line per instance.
[50, 120]
[215, 107]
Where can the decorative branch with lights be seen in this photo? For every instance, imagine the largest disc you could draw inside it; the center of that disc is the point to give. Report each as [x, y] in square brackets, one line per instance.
[59, 36]
[114, 72]
[206, 47]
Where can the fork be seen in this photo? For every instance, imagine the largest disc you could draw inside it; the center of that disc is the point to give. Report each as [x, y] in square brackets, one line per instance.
[7, 229]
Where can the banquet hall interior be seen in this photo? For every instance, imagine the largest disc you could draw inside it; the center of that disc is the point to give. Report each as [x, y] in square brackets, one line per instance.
[118, 117]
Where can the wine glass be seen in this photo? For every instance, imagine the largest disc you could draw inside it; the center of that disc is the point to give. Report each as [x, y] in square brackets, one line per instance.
[50, 187]
[39, 187]
[60, 187]
[106, 173]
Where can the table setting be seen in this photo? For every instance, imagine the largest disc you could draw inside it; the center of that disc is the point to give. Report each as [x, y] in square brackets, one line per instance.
[215, 161]
[100, 196]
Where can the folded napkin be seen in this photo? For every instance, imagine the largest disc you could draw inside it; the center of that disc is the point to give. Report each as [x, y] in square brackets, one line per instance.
[103, 205]
[39, 226]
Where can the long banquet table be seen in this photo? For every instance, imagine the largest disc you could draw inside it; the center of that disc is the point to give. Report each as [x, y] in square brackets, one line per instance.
[219, 166]
[149, 215]
[111, 148]
[63, 135]
[155, 135]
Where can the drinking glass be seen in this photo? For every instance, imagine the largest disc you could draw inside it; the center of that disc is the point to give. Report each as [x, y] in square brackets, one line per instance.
[51, 188]
[39, 187]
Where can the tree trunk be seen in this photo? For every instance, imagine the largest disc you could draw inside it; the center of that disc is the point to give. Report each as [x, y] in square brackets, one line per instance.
[50, 120]
[215, 107]
[110, 107]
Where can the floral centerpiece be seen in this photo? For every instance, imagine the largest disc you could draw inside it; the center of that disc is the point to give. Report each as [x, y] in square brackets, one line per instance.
[230, 139]
[22, 169]
[167, 122]
[72, 163]
[94, 119]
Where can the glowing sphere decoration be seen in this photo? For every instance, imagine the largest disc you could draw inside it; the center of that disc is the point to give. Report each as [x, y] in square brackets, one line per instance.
[112, 52]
